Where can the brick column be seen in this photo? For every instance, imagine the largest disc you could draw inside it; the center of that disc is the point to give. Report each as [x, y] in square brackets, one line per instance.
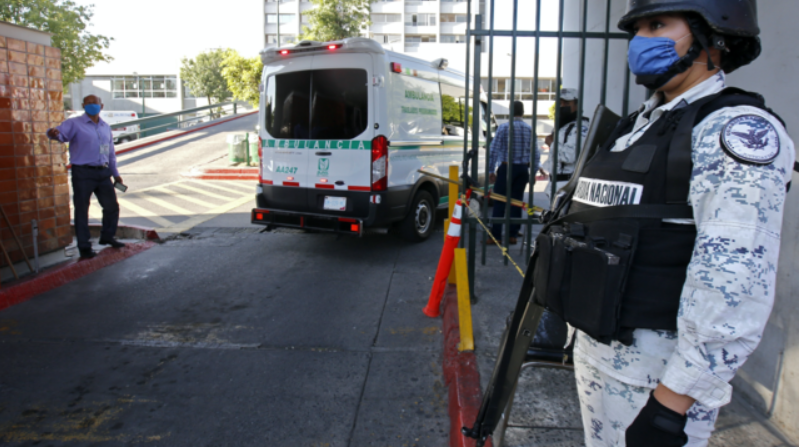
[33, 175]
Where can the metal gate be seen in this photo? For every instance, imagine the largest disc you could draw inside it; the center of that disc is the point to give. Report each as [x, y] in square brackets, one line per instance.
[474, 41]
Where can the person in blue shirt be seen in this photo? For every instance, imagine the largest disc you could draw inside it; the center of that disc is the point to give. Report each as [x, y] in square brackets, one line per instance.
[500, 168]
[93, 165]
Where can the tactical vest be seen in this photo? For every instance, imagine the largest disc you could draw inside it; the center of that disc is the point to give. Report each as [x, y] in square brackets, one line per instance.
[611, 264]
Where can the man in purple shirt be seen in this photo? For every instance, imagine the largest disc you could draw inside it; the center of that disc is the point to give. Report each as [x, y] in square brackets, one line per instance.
[93, 164]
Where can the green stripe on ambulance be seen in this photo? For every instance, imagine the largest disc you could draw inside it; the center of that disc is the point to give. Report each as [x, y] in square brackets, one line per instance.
[317, 144]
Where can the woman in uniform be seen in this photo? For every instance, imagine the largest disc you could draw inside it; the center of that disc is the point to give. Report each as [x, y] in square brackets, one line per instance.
[701, 279]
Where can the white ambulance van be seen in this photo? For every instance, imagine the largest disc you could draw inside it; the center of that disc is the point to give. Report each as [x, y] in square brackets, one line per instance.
[344, 128]
[120, 132]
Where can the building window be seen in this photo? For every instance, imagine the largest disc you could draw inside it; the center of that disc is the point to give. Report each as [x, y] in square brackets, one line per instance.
[452, 38]
[546, 89]
[421, 20]
[419, 39]
[144, 86]
[285, 18]
[385, 18]
[453, 18]
[271, 39]
[387, 38]
[501, 89]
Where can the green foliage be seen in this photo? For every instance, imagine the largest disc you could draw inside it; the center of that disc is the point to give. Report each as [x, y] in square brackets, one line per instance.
[204, 75]
[336, 19]
[243, 76]
[452, 112]
[553, 111]
[67, 22]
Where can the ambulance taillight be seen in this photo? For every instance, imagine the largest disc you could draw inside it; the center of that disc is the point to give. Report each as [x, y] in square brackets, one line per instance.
[378, 158]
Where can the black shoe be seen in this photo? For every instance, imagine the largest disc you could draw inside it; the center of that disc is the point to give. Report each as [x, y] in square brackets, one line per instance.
[111, 242]
[87, 253]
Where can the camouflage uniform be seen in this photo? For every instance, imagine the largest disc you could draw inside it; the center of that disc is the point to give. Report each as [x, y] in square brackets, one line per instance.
[567, 155]
[727, 296]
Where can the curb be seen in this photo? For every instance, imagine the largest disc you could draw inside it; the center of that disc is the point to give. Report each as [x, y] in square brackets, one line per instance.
[125, 232]
[250, 173]
[65, 273]
[461, 374]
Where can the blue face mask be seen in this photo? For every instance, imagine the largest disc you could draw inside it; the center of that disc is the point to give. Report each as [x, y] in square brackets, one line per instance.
[652, 55]
[92, 109]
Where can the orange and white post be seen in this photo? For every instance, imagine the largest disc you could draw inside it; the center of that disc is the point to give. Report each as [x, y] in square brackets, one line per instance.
[432, 309]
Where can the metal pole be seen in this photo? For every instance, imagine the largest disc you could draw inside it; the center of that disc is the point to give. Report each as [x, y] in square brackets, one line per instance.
[554, 156]
[580, 121]
[533, 151]
[510, 135]
[603, 99]
[142, 90]
[35, 231]
[625, 106]
[476, 130]
[465, 115]
[489, 137]
[278, 23]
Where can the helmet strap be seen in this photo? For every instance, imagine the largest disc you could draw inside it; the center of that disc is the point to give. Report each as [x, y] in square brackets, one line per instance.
[654, 82]
[699, 36]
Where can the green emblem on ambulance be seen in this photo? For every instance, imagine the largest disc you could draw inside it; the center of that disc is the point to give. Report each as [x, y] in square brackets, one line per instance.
[323, 167]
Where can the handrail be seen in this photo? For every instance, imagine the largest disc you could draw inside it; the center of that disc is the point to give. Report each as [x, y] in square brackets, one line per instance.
[153, 119]
[173, 114]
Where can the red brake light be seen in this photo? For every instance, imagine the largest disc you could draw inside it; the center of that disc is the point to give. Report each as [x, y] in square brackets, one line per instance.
[133, 115]
[378, 157]
[355, 227]
[285, 52]
[260, 216]
[332, 47]
[396, 67]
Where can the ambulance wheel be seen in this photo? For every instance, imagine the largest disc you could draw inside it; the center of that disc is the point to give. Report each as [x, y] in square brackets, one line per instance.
[419, 222]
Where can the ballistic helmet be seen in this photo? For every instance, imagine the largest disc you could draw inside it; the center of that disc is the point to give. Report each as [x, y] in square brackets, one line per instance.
[728, 25]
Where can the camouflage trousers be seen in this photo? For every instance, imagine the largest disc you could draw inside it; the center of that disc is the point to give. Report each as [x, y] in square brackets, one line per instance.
[609, 406]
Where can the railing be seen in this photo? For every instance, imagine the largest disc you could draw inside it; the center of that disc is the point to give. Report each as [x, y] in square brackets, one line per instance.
[214, 111]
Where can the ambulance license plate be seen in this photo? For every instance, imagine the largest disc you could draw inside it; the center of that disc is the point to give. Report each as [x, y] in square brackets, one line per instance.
[334, 203]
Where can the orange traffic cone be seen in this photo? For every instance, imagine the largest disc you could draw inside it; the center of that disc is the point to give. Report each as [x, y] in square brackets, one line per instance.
[432, 309]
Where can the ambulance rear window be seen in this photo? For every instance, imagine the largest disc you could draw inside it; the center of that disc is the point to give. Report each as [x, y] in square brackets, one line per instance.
[317, 104]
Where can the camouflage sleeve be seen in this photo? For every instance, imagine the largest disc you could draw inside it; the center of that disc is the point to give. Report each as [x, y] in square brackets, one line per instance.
[729, 289]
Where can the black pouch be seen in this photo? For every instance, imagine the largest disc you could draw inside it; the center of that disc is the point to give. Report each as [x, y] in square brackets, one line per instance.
[552, 273]
[599, 267]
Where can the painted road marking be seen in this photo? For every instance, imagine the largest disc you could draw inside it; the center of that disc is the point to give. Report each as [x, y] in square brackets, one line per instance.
[184, 197]
[199, 219]
[201, 191]
[165, 204]
[145, 213]
[250, 187]
[219, 187]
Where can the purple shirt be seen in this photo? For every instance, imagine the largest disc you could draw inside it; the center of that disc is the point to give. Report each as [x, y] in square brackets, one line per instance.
[90, 143]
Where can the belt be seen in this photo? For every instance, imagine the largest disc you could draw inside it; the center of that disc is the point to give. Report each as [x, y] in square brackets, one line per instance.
[562, 177]
[94, 167]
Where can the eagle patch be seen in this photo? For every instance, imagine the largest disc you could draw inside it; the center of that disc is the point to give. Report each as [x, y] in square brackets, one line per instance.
[751, 139]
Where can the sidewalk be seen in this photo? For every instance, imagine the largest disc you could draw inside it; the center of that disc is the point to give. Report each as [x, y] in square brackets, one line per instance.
[546, 409]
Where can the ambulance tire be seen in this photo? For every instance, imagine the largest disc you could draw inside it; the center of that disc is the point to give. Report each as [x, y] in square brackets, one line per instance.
[418, 225]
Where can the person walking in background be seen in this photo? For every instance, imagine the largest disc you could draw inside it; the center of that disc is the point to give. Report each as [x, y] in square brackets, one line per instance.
[518, 169]
[566, 159]
[94, 163]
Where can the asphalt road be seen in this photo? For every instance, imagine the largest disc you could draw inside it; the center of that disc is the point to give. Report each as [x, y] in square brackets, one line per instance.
[232, 337]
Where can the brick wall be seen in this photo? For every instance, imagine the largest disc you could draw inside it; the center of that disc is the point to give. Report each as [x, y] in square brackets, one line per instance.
[33, 174]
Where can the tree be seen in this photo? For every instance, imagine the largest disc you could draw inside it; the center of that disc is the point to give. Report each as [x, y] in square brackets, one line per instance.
[203, 75]
[67, 22]
[242, 76]
[336, 19]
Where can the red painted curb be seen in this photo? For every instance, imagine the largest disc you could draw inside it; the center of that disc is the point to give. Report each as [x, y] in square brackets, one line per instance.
[65, 273]
[249, 173]
[461, 374]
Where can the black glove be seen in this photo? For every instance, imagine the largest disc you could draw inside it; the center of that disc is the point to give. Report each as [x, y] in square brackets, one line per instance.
[657, 425]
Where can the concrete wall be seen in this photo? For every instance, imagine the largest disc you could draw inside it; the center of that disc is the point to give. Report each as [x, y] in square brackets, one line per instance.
[770, 379]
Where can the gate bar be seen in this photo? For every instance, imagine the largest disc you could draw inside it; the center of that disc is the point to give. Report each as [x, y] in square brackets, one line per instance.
[476, 131]
[556, 141]
[603, 99]
[489, 134]
[580, 100]
[511, 132]
[533, 150]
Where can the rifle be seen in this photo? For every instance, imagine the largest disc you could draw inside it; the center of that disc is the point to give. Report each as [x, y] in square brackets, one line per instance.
[527, 314]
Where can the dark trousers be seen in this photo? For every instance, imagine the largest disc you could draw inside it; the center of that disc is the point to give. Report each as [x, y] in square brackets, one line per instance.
[520, 176]
[86, 181]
